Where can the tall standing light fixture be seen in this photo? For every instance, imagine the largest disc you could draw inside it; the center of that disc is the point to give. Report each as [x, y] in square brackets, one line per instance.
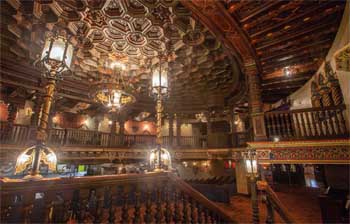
[56, 59]
[251, 165]
[160, 156]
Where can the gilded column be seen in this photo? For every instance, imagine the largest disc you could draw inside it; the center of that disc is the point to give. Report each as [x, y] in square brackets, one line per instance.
[34, 119]
[44, 118]
[159, 109]
[255, 102]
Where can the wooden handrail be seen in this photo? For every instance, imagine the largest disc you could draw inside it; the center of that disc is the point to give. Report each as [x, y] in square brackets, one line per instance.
[307, 123]
[200, 197]
[276, 203]
[342, 107]
[55, 195]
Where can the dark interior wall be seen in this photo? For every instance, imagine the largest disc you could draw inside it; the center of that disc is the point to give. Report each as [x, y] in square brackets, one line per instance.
[68, 120]
[337, 176]
[220, 127]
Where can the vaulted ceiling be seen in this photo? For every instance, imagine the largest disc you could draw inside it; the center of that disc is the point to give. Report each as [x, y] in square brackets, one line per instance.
[209, 40]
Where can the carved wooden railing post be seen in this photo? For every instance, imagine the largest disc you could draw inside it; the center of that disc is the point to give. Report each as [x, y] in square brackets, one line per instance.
[177, 212]
[125, 209]
[168, 209]
[159, 208]
[137, 207]
[186, 217]
[194, 211]
[148, 218]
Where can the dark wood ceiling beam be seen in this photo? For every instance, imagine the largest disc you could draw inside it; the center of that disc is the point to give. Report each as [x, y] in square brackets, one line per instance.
[300, 34]
[298, 16]
[20, 84]
[281, 89]
[311, 52]
[325, 43]
[259, 10]
[286, 83]
[299, 76]
[297, 59]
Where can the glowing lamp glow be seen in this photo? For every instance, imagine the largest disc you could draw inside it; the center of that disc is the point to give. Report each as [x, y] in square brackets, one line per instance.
[57, 53]
[276, 139]
[164, 157]
[117, 65]
[160, 79]
[251, 163]
[251, 166]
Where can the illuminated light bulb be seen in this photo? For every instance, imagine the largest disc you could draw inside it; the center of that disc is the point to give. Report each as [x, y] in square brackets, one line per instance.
[51, 158]
[276, 139]
[23, 158]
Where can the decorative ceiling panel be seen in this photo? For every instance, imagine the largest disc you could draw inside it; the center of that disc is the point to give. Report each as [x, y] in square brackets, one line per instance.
[134, 32]
[287, 35]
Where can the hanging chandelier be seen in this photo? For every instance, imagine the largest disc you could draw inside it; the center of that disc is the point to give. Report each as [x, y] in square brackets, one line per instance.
[111, 90]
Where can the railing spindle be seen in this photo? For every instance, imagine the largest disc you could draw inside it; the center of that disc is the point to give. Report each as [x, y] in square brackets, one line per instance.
[309, 124]
[177, 212]
[194, 215]
[168, 210]
[148, 217]
[159, 209]
[186, 218]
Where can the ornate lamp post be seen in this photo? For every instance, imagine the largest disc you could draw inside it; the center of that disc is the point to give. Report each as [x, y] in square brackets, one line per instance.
[56, 58]
[251, 165]
[160, 91]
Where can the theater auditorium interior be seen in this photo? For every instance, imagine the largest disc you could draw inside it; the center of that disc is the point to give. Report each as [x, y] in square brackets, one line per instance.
[174, 111]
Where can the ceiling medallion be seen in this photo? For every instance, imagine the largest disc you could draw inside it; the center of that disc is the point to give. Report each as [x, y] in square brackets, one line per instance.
[111, 90]
[136, 39]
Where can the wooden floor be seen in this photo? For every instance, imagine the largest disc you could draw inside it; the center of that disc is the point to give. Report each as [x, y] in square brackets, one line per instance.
[301, 202]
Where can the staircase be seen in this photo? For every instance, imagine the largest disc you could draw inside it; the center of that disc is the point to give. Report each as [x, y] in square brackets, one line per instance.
[132, 198]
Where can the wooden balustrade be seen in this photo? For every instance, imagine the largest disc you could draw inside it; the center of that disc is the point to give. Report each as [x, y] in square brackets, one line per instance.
[134, 198]
[192, 141]
[25, 135]
[307, 123]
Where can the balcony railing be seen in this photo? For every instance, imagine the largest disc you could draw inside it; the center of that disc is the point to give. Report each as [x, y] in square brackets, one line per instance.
[25, 135]
[311, 123]
[134, 198]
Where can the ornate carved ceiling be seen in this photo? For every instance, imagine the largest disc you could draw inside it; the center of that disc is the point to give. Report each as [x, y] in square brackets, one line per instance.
[206, 70]
[202, 73]
[287, 34]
